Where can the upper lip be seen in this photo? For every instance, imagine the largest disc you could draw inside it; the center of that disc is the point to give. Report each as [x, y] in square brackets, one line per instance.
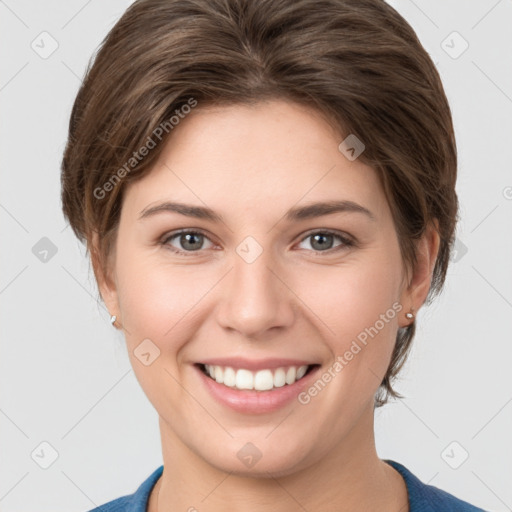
[255, 364]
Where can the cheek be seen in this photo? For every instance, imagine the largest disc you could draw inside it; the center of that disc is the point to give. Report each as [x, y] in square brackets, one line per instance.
[163, 302]
[358, 305]
[158, 303]
[153, 299]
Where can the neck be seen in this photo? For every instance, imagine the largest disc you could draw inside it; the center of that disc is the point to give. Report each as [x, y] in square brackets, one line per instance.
[349, 477]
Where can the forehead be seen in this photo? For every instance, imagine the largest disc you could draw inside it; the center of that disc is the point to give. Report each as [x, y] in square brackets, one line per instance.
[265, 157]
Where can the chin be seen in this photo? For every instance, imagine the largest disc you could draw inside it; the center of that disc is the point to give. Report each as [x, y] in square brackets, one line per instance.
[257, 459]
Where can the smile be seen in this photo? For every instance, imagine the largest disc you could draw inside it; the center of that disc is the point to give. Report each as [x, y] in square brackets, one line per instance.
[261, 380]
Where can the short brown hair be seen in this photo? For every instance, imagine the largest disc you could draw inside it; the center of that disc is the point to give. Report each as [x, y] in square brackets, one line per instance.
[356, 61]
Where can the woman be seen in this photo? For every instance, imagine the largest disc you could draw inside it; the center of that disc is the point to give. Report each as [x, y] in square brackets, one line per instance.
[307, 150]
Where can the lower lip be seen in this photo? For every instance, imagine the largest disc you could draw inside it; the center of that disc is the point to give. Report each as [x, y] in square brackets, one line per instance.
[255, 402]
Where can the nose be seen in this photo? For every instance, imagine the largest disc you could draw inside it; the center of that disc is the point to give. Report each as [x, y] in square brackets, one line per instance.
[256, 298]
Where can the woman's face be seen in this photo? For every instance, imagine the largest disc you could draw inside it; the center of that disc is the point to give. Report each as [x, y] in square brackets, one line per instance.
[261, 282]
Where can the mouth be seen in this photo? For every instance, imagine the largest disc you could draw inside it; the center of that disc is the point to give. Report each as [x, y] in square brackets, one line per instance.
[265, 379]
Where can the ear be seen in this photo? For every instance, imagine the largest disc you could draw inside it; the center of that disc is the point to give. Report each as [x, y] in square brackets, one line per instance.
[104, 274]
[420, 277]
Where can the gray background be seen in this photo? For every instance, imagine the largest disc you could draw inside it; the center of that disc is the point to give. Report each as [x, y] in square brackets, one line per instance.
[65, 376]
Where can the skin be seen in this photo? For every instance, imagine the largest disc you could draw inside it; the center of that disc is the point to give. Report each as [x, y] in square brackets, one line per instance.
[251, 164]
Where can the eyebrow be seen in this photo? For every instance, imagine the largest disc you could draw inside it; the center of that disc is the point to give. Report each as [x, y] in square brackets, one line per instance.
[308, 211]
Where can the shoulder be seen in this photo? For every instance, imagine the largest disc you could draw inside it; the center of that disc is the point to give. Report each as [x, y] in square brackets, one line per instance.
[427, 498]
[135, 502]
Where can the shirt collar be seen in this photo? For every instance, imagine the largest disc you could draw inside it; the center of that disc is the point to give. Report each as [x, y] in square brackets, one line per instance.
[418, 501]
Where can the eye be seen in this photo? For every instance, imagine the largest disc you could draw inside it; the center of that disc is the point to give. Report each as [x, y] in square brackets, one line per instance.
[322, 241]
[188, 241]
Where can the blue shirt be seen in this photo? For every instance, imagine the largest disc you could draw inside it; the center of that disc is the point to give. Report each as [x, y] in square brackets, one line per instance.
[422, 497]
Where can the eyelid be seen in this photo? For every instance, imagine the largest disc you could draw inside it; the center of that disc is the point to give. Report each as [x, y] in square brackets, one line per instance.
[172, 234]
[347, 240]
[327, 231]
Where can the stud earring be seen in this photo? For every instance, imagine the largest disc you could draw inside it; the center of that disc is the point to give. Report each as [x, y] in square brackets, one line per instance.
[409, 315]
[113, 319]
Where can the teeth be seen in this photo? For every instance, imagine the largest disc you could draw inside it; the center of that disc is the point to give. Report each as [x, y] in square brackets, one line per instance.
[279, 378]
[229, 377]
[244, 378]
[262, 380]
[291, 375]
[301, 372]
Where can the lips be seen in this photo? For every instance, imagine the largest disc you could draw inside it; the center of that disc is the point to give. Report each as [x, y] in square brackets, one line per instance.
[262, 380]
[256, 364]
[258, 375]
[258, 392]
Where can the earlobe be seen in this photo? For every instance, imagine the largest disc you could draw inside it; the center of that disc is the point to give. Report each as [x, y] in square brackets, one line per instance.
[427, 248]
[106, 285]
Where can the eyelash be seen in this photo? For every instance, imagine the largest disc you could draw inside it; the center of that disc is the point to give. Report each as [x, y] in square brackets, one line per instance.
[346, 241]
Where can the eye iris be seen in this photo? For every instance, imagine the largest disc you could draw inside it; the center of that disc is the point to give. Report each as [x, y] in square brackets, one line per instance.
[187, 240]
[322, 245]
